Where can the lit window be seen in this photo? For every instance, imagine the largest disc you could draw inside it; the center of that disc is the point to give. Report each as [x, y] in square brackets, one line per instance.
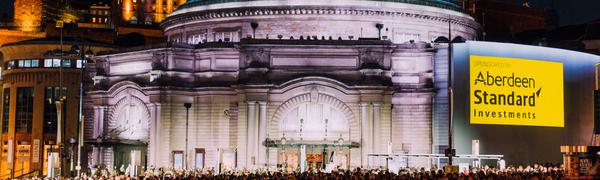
[67, 63]
[79, 63]
[93, 20]
[51, 62]
[10, 64]
[55, 62]
[35, 63]
[26, 63]
[177, 159]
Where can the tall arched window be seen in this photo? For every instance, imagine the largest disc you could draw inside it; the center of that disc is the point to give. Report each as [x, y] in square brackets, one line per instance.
[132, 119]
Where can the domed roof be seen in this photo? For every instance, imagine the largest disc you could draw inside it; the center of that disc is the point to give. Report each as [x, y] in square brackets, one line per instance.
[446, 4]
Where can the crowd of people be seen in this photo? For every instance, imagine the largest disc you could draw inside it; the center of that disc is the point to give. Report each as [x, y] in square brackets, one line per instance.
[542, 172]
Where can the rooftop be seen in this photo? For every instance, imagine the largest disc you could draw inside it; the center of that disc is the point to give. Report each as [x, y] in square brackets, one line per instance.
[445, 4]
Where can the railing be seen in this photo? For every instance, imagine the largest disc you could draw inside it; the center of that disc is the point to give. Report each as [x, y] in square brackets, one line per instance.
[28, 175]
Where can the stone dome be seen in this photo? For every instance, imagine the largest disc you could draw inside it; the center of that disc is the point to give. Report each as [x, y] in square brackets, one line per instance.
[446, 4]
[400, 21]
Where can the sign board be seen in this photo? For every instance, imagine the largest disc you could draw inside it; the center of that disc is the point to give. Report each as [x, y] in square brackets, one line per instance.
[36, 151]
[512, 91]
[10, 151]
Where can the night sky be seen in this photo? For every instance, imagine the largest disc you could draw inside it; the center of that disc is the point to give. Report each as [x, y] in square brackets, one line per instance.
[569, 11]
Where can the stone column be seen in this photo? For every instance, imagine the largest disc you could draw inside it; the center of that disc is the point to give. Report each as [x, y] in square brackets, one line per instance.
[96, 125]
[262, 132]
[154, 148]
[412, 125]
[101, 120]
[251, 156]
[364, 131]
[376, 128]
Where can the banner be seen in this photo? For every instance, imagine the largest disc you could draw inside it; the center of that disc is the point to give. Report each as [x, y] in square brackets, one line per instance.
[511, 91]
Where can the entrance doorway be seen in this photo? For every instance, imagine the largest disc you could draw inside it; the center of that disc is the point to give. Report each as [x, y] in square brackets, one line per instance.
[314, 135]
[315, 156]
[130, 157]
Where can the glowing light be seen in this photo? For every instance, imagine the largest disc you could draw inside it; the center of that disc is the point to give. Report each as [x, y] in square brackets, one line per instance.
[127, 10]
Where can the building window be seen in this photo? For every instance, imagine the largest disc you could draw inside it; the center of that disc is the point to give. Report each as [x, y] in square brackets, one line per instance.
[51, 62]
[28, 63]
[51, 95]
[5, 109]
[35, 63]
[178, 159]
[24, 112]
[199, 158]
[79, 63]
[66, 63]
[10, 65]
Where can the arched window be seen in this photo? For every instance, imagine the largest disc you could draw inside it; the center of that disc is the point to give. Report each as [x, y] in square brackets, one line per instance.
[132, 119]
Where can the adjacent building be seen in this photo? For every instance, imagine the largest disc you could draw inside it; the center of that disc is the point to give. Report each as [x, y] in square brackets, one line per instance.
[33, 80]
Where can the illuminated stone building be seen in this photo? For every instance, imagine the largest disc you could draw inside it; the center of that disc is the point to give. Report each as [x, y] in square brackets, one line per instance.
[30, 86]
[287, 83]
[144, 11]
[105, 20]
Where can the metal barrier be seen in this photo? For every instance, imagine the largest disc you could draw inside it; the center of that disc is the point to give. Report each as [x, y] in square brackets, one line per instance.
[431, 157]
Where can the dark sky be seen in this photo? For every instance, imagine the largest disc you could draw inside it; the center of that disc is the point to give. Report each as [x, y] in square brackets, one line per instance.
[569, 11]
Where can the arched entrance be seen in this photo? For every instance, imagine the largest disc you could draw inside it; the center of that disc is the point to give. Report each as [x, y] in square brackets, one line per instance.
[313, 131]
[131, 133]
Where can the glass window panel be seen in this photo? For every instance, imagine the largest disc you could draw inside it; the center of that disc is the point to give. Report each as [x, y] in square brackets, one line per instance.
[26, 63]
[5, 109]
[79, 63]
[47, 62]
[24, 110]
[66, 63]
[21, 63]
[50, 117]
[35, 63]
[177, 159]
[55, 62]
[10, 64]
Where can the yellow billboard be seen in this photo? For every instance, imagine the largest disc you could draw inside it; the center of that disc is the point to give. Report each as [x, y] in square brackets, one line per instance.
[512, 91]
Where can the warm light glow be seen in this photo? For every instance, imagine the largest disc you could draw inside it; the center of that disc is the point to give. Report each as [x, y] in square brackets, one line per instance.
[127, 10]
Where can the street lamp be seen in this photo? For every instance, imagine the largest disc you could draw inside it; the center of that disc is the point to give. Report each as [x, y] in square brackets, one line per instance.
[450, 152]
[72, 141]
[187, 119]
[379, 26]
[254, 25]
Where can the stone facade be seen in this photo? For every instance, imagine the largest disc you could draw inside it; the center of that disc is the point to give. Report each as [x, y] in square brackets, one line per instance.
[305, 84]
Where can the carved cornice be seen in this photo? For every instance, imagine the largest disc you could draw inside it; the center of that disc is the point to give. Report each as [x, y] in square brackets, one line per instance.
[309, 10]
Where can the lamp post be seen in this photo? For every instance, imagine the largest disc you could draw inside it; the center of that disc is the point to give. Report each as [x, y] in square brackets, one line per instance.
[254, 25]
[86, 55]
[450, 152]
[187, 119]
[379, 26]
